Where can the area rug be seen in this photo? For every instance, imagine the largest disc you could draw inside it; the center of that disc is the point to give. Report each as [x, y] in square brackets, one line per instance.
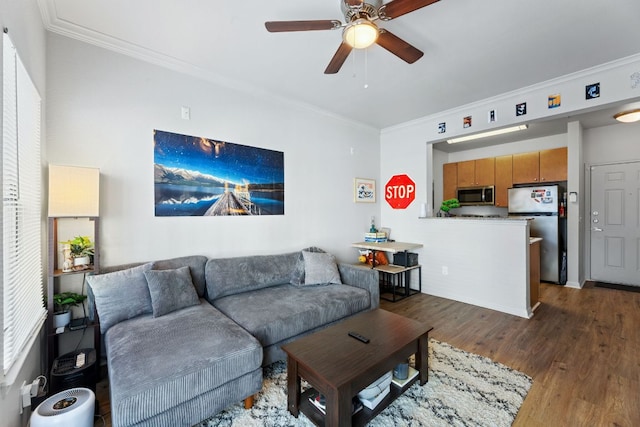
[464, 389]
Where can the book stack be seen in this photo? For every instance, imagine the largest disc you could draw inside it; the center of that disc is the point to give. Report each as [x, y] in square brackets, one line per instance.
[376, 392]
[375, 237]
[401, 383]
[318, 400]
[375, 400]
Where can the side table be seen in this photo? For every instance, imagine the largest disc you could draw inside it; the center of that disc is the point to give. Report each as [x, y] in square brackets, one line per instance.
[394, 279]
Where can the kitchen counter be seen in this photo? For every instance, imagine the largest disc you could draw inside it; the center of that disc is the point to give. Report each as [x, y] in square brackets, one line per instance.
[482, 261]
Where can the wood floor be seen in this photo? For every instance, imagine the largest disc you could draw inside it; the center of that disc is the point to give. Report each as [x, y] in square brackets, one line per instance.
[582, 349]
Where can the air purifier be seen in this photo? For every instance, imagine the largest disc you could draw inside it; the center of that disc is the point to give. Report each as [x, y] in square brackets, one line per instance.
[73, 407]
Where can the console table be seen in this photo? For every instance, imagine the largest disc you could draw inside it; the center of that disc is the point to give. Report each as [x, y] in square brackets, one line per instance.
[394, 279]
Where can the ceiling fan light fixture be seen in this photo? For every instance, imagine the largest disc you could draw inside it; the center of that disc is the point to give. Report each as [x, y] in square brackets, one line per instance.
[360, 34]
[628, 116]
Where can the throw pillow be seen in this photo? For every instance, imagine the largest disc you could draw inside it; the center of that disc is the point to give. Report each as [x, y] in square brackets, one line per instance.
[120, 295]
[171, 290]
[320, 269]
[297, 278]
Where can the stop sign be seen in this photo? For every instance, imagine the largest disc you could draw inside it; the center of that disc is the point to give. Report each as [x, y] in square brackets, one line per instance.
[400, 191]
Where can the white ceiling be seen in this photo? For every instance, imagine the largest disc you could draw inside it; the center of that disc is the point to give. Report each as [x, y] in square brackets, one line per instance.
[472, 49]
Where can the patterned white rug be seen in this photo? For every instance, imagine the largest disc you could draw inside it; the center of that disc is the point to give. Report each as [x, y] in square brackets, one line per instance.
[464, 389]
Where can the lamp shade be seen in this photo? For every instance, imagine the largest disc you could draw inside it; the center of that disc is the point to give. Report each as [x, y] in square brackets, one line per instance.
[74, 191]
[360, 34]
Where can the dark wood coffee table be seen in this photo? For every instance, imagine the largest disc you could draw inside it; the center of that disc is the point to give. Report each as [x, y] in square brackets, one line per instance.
[339, 366]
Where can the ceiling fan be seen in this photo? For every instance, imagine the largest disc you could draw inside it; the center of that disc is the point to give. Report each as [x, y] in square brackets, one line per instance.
[360, 30]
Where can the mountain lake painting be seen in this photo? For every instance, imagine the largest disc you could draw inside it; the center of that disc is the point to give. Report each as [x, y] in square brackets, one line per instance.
[196, 176]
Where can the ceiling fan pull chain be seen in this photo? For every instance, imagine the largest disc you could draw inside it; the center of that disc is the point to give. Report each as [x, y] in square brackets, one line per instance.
[366, 68]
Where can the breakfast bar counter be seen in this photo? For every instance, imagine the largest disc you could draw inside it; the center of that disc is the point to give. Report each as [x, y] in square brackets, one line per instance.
[479, 261]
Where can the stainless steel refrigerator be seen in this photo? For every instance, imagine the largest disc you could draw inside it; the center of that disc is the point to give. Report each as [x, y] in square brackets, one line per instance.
[541, 203]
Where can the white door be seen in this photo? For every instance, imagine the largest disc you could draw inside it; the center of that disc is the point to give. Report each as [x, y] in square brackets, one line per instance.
[615, 223]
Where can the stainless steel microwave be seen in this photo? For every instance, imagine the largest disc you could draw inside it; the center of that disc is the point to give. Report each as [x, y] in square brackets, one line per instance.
[476, 196]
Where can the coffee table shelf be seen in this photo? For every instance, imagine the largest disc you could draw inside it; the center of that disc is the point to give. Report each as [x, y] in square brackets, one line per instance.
[360, 418]
[339, 366]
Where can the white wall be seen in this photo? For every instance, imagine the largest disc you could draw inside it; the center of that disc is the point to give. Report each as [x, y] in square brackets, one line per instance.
[22, 18]
[103, 108]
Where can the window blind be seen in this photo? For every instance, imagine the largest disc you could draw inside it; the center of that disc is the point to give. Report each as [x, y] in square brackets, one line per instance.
[23, 311]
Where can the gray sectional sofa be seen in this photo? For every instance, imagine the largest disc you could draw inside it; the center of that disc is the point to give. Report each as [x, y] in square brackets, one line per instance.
[186, 337]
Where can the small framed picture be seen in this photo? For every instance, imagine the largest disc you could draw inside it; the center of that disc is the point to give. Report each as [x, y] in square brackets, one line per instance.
[554, 101]
[592, 91]
[493, 116]
[442, 127]
[466, 122]
[364, 190]
[521, 109]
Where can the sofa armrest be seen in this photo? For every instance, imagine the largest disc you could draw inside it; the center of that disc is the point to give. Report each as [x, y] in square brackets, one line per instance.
[362, 277]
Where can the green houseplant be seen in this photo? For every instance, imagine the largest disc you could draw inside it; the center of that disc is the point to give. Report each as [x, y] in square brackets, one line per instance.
[81, 249]
[449, 204]
[62, 302]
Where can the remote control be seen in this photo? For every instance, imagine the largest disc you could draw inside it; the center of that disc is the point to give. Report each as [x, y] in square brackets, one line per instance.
[359, 337]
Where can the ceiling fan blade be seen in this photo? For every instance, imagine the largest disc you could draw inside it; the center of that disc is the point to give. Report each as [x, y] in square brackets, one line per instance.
[338, 59]
[280, 26]
[354, 2]
[397, 8]
[398, 47]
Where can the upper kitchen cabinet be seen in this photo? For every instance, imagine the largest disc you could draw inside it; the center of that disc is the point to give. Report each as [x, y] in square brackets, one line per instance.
[449, 180]
[526, 168]
[540, 166]
[553, 165]
[504, 179]
[474, 173]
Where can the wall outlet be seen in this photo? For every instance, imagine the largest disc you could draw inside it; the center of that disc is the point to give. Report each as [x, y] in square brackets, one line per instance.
[186, 113]
[445, 270]
[25, 396]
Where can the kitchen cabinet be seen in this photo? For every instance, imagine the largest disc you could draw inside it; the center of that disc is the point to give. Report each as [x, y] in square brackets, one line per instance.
[540, 166]
[475, 173]
[504, 179]
[553, 165]
[526, 168]
[449, 180]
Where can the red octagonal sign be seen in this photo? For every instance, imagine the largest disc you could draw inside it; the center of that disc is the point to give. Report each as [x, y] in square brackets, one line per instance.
[400, 191]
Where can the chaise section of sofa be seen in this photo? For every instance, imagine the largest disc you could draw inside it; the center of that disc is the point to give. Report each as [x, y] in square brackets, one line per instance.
[180, 368]
[173, 358]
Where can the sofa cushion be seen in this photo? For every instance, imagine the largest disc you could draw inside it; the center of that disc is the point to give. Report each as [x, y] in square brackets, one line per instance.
[284, 311]
[297, 277]
[196, 265]
[170, 290]
[120, 295]
[156, 364]
[228, 276]
[320, 269]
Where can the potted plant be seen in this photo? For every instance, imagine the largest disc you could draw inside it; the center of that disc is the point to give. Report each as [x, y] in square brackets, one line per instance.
[449, 204]
[62, 303]
[81, 249]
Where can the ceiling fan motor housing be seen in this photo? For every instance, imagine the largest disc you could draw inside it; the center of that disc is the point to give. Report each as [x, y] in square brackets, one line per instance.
[368, 8]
